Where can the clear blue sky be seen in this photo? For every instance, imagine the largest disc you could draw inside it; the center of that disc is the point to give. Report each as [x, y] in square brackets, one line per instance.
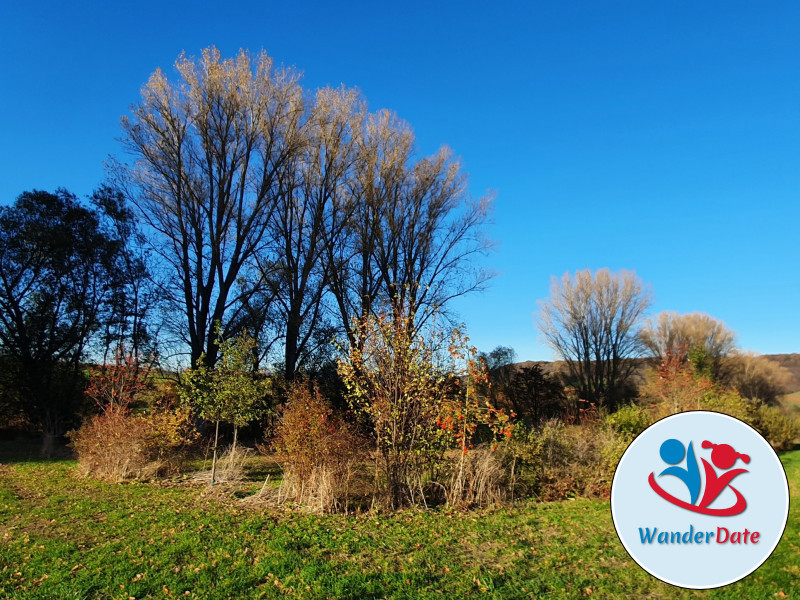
[660, 137]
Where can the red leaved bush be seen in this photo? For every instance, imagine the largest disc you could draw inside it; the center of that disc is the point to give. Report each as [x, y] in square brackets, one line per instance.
[116, 385]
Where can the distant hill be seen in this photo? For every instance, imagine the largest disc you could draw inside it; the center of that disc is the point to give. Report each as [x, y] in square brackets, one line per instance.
[791, 362]
[559, 365]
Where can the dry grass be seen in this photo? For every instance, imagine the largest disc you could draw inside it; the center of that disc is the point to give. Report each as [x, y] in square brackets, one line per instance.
[231, 466]
[479, 478]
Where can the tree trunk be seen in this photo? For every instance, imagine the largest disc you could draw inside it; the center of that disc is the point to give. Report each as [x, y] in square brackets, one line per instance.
[214, 459]
[292, 336]
[232, 458]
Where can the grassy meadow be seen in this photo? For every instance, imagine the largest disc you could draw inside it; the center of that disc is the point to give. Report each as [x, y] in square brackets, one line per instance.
[63, 535]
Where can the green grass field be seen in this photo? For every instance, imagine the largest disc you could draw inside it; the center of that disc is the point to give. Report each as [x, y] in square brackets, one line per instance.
[65, 536]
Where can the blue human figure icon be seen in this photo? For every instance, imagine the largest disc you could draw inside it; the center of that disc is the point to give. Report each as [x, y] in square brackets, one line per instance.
[672, 452]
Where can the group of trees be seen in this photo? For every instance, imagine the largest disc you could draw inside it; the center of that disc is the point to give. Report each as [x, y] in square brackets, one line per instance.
[291, 214]
[251, 205]
[72, 280]
[595, 322]
[259, 223]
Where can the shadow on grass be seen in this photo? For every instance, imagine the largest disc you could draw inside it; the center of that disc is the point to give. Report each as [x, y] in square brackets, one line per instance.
[26, 449]
[259, 467]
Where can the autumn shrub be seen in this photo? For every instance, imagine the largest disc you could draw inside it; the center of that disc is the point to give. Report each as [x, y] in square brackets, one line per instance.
[119, 384]
[557, 461]
[778, 428]
[417, 391]
[478, 475]
[117, 445]
[613, 434]
[674, 386]
[394, 385]
[319, 451]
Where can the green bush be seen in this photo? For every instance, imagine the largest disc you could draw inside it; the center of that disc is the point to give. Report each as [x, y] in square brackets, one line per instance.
[557, 461]
[779, 429]
[612, 447]
[730, 403]
[629, 421]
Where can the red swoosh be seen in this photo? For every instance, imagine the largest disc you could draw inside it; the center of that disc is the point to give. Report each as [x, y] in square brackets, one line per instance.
[737, 508]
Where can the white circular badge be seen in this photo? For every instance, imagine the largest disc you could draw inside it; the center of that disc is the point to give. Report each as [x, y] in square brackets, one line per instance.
[699, 499]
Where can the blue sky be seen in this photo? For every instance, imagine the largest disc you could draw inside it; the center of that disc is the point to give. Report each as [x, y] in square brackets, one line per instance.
[659, 137]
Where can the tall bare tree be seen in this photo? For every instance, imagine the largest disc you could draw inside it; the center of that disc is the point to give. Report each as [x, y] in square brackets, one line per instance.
[590, 321]
[413, 232]
[384, 147]
[211, 150]
[310, 220]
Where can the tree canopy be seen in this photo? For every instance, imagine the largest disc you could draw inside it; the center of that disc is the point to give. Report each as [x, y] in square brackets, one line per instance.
[590, 321]
[291, 213]
[59, 272]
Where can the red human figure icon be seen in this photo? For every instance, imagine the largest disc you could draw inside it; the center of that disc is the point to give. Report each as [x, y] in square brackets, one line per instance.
[724, 457]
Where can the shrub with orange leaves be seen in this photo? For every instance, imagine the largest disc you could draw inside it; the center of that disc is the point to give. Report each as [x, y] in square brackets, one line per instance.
[675, 386]
[117, 445]
[469, 407]
[418, 391]
[678, 385]
[318, 449]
